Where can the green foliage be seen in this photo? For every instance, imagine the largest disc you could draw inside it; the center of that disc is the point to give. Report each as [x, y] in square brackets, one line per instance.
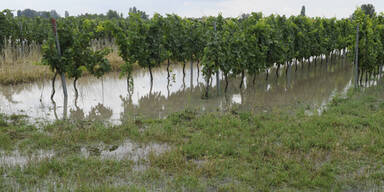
[368, 9]
[77, 55]
[370, 43]
[176, 38]
[142, 43]
[252, 43]
[3, 26]
[214, 50]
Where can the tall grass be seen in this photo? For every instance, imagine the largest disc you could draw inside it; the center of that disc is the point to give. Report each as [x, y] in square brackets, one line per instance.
[20, 63]
[113, 57]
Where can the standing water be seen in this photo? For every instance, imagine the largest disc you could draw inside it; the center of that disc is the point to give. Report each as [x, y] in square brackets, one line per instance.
[109, 98]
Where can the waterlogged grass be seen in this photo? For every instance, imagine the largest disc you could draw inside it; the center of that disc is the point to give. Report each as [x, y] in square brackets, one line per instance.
[342, 150]
[28, 70]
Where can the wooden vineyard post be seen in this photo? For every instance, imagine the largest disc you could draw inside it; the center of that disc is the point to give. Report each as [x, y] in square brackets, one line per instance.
[63, 82]
[356, 71]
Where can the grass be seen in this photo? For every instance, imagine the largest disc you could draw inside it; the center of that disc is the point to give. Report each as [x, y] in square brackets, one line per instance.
[21, 65]
[341, 150]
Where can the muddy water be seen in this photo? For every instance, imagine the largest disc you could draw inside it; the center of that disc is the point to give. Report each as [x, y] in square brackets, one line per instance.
[109, 98]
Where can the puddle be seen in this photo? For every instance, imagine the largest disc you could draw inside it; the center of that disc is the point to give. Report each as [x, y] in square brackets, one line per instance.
[128, 150]
[108, 99]
[15, 158]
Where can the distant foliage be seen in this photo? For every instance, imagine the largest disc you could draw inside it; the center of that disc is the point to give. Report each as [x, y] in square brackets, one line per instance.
[135, 11]
[32, 13]
[302, 13]
[3, 27]
[368, 9]
[112, 15]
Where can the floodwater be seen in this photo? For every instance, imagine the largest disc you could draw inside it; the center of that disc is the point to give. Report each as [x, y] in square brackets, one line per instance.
[127, 150]
[16, 158]
[109, 98]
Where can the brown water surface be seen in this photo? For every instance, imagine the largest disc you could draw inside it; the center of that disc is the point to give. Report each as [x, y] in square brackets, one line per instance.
[311, 86]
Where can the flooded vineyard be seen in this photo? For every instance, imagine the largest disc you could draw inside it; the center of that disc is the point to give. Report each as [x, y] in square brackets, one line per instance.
[109, 98]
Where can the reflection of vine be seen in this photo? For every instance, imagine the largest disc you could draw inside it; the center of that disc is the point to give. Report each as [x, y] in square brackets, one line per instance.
[198, 71]
[168, 87]
[150, 90]
[8, 91]
[127, 106]
[8, 94]
[41, 95]
[76, 98]
[275, 90]
[78, 113]
[191, 76]
[278, 93]
[102, 89]
[100, 112]
[130, 85]
[173, 78]
[53, 86]
[151, 102]
[65, 108]
[54, 109]
[288, 75]
[243, 95]
[183, 82]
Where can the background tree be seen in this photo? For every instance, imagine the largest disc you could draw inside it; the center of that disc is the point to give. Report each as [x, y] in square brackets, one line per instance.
[30, 13]
[368, 9]
[302, 12]
[112, 15]
[142, 14]
[3, 27]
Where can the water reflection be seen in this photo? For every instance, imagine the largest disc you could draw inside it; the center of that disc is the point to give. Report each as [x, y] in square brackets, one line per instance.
[98, 112]
[109, 99]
